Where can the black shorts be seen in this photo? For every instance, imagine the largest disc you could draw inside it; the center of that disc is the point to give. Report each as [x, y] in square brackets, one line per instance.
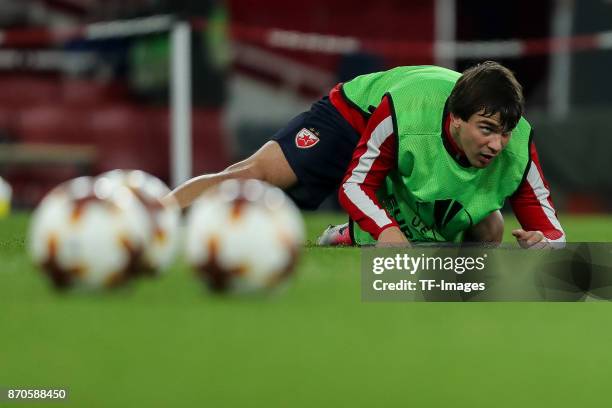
[318, 145]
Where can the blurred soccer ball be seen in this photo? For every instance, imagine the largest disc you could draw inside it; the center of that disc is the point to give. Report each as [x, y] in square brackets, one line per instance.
[243, 236]
[165, 218]
[87, 236]
[5, 198]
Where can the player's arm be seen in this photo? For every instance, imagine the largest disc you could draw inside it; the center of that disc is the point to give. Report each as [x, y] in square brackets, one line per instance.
[373, 158]
[534, 209]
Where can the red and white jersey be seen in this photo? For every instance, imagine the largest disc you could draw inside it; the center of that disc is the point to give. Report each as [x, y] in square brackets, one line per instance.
[376, 155]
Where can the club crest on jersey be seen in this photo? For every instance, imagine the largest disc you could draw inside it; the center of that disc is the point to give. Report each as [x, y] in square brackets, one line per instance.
[305, 139]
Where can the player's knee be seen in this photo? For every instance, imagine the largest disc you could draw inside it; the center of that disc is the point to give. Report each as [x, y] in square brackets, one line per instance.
[270, 164]
[267, 164]
[489, 230]
[497, 228]
[246, 169]
[493, 229]
[253, 168]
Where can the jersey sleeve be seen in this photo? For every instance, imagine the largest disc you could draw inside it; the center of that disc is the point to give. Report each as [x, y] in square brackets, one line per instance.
[532, 204]
[373, 158]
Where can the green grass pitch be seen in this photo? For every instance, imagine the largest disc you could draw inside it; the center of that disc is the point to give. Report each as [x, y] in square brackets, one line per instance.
[168, 343]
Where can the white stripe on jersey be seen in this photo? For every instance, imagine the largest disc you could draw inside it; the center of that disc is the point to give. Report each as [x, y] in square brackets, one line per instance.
[541, 192]
[352, 187]
[365, 204]
[378, 137]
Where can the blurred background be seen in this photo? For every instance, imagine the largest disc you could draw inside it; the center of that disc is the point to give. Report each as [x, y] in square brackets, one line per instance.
[89, 85]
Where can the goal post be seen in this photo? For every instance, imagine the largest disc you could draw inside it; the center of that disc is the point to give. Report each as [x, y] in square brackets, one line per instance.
[181, 145]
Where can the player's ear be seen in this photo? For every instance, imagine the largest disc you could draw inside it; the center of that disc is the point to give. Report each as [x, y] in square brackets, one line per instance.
[455, 120]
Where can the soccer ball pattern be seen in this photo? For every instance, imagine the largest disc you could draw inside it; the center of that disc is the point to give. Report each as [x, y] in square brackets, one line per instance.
[165, 218]
[243, 236]
[87, 236]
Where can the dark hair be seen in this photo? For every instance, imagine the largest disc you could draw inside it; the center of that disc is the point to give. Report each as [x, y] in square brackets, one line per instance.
[491, 87]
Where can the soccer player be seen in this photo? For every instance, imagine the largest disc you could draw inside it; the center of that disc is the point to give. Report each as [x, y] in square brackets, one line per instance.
[420, 154]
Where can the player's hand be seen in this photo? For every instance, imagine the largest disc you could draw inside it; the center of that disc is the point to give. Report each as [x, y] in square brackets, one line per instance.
[531, 239]
[392, 237]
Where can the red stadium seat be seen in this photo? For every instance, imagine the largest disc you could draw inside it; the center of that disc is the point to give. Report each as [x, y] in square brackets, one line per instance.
[211, 147]
[24, 90]
[127, 137]
[55, 124]
[91, 93]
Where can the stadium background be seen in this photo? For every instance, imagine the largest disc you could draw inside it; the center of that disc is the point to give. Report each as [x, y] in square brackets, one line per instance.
[73, 103]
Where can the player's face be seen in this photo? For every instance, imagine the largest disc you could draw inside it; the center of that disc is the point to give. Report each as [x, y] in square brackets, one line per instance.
[481, 137]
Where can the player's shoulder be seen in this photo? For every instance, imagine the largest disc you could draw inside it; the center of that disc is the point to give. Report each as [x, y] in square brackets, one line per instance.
[423, 74]
[518, 147]
[523, 128]
[425, 84]
[425, 70]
